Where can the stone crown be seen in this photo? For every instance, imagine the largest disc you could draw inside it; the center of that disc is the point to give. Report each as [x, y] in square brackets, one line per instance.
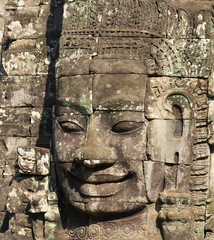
[136, 18]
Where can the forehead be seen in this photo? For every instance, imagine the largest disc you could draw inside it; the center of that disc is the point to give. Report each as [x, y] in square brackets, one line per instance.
[102, 84]
[108, 64]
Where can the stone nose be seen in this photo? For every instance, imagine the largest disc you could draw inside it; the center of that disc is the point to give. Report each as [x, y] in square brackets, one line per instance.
[97, 149]
[96, 163]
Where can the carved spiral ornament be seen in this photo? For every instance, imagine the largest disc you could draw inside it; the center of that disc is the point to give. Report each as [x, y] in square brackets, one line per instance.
[81, 233]
[94, 231]
[128, 230]
[109, 230]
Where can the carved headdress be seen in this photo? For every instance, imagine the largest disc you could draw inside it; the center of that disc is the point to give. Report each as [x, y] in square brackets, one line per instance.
[132, 29]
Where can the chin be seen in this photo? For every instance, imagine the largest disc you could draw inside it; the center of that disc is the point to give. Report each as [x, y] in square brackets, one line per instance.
[108, 209]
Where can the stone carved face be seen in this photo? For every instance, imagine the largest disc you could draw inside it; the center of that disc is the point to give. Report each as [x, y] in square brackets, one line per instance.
[109, 117]
[100, 136]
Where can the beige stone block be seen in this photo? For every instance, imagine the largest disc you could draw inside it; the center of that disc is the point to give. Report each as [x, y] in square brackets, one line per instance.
[15, 122]
[199, 183]
[27, 21]
[154, 179]
[199, 198]
[19, 3]
[9, 147]
[31, 61]
[166, 144]
[73, 65]
[201, 150]
[117, 66]
[119, 92]
[41, 122]
[75, 92]
[4, 191]
[25, 91]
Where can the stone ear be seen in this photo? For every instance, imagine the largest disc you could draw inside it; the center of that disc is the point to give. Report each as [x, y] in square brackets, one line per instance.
[178, 104]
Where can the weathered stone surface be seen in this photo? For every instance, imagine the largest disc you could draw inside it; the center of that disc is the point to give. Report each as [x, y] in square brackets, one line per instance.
[189, 95]
[105, 133]
[15, 122]
[41, 122]
[38, 226]
[26, 122]
[211, 82]
[32, 60]
[211, 183]
[176, 215]
[27, 21]
[77, 66]
[76, 92]
[200, 65]
[170, 142]
[119, 92]
[17, 3]
[182, 25]
[18, 198]
[9, 147]
[4, 192]
[21, 227]
[209, 216]
[154, 179]
[111, 66]
[25, 91]
[34, 161]
[211, 121]
[132, 120]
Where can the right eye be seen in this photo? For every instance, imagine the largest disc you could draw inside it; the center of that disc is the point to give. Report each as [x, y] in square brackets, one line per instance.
[69, 127]
[126, 126]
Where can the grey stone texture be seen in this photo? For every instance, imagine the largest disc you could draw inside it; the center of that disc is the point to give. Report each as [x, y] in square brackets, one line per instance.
[106, 120]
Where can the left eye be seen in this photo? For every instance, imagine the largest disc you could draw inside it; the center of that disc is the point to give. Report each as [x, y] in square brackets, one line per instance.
[70, 127]
[126, 126]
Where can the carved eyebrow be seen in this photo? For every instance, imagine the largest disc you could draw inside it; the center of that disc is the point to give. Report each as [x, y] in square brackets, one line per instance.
[79, 108]
[118, 104]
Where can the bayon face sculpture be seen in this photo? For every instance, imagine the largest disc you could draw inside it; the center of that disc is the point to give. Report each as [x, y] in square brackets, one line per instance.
[129, 125]
[111, 138]
[100, 139]
[124, 132]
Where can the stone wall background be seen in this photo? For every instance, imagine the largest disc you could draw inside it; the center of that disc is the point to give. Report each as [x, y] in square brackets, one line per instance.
[26, 100]
[29, 52]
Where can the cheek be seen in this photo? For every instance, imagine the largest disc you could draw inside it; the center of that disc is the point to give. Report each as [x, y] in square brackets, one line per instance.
[68, 145]
[68, 187]
[131, 146]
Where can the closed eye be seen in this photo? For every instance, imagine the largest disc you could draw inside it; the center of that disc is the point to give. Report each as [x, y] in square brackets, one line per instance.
[126, 126]
[69, 127]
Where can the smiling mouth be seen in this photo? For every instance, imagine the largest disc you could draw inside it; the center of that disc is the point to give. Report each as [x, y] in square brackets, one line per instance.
[101, 184]
[102, 190]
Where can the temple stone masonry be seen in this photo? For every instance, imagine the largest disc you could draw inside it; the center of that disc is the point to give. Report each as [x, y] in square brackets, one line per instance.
[107, 120]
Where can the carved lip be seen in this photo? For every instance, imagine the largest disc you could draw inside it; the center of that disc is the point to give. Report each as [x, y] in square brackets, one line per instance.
[113, 174]
[102, 190]
[101, 178]
[101, 184]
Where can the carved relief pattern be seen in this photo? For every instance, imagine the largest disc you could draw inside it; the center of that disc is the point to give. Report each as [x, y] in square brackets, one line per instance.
[199, 104]
[109, 230]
